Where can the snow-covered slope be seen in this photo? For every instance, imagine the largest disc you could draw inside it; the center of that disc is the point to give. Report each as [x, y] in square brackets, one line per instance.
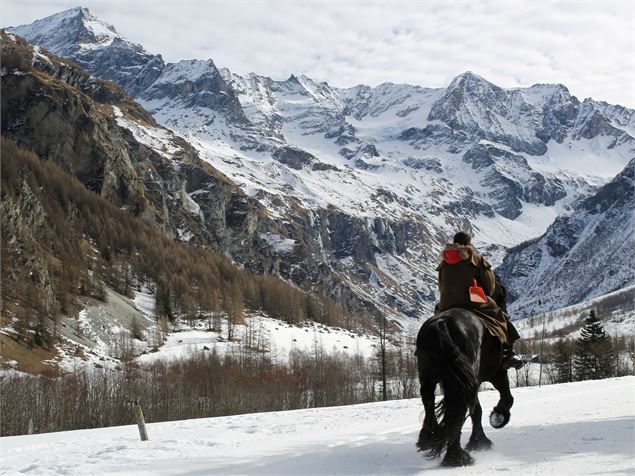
[271, 336]
[377, 178]
[584, 254]
[616, 310]
[562, 429]
[105, 334]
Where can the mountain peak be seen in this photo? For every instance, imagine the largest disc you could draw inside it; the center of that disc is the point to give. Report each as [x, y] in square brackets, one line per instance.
[188, 70]
[76, 11]
[96, 46]
[467, 80]
[69, 31]
[470, 75]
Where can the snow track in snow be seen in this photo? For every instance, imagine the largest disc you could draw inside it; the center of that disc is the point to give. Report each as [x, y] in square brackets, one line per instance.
[576, 428]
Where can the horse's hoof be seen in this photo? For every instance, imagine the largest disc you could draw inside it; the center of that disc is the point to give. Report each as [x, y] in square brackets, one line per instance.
[428, 442]
[425, 443]
[498, 420]
[479, 444]
[457, 458]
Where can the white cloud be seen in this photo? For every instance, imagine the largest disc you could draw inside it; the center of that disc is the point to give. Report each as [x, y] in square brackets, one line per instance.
[587, 46]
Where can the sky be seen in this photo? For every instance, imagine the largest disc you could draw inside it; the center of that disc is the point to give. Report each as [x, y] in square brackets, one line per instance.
[587, 46]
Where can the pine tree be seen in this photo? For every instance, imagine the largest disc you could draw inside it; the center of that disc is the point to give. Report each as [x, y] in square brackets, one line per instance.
[563, 361]
[594, 354]
[164, 301]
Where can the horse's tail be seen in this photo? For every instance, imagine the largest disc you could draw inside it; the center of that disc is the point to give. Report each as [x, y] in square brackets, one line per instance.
[459, 384]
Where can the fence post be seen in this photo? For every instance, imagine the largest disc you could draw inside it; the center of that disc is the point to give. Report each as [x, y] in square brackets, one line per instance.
[141, 423]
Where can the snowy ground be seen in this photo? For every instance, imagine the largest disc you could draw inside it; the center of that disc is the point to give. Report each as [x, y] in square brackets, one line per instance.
[576, 428]
[618, 319]
[274, 336]
[101, 335]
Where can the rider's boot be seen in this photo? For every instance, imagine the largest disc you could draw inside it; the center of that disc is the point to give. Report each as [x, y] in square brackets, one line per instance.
[511, 360]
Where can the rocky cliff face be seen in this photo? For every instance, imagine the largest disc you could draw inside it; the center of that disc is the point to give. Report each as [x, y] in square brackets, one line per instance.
[112, 149]
[511, 180]
[196, 86]
[57, 122]
[354, 190]
[584, 254]
[159, 177]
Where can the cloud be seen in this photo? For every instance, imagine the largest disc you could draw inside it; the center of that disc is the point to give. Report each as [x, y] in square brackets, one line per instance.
[587, 46]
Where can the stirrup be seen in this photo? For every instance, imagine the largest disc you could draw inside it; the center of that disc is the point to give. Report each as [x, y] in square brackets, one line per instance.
[511, 360]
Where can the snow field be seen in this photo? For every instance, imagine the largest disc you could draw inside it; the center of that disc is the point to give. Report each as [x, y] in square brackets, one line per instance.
[577, 428]
[101, 335]
[618, 322]
[277, 337]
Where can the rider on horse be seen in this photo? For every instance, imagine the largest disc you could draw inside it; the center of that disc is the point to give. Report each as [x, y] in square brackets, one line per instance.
[462, 271]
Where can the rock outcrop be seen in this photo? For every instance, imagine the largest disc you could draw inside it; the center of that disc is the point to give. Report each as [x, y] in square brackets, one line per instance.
[584, 254]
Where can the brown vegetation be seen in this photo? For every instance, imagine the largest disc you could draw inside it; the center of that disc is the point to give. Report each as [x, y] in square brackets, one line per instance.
[30, 361]
[205, 385]
[60, 241]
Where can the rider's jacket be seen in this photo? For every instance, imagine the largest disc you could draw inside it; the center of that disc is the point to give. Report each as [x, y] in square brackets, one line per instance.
[461, 265]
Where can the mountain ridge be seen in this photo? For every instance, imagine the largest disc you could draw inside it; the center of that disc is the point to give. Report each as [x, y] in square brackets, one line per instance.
[575, 256]
[382, 176]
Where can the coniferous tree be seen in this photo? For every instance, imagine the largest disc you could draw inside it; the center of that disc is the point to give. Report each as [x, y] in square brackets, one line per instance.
[164, 301]
[563, 361]
[594, 353]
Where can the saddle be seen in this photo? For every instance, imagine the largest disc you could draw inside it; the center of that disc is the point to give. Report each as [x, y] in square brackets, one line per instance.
[494, 321]
[492, 318]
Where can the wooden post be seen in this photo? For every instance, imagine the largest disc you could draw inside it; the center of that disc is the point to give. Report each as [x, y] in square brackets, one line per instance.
[542, 346]
[141, 423]
[382, 346]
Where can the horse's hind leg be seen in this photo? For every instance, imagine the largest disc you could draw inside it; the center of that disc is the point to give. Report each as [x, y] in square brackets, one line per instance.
[430, 426]
[453, 421]
[501, 414]
[478, 440]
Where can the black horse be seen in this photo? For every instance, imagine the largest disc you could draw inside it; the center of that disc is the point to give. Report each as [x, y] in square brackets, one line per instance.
[455, 349]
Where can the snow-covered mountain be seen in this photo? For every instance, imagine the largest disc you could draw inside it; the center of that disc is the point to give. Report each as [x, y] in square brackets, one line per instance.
[584, 254]
[96, 46]
[367, 182]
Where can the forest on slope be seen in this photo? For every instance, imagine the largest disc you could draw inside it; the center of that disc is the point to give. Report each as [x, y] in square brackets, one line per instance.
[61, 241]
